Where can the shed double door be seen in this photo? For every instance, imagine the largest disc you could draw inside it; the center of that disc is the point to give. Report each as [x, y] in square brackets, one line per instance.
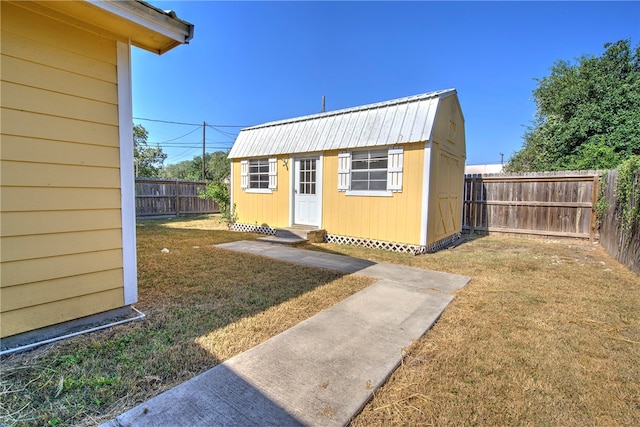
[306, 191]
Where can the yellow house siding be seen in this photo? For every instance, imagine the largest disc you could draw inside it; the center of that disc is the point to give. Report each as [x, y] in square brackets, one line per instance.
[32, 294]
[395, 218]
[36, 223]
[61, 242]
[39, 316]
[270, 209]
[18, 20]
[42, 269]
[17, 148]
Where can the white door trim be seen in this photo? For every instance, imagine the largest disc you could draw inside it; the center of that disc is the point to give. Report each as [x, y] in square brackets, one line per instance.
[292, 185]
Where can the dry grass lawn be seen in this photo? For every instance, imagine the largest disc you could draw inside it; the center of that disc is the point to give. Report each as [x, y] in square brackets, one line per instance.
[203, 305]
[546, 333]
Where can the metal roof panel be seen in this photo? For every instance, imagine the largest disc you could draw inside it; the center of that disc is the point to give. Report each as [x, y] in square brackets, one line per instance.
[397, 121]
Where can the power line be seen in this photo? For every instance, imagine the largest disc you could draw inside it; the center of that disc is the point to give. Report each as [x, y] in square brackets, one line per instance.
[185, 144]
[189, 124]
[174, 139]
[167, 121]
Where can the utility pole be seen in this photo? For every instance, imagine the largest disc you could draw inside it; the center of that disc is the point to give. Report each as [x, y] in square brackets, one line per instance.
[204, 135]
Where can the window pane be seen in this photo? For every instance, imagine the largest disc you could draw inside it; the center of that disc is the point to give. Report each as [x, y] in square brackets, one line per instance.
[378, 164]
[313, 189]
[379, 175]
[378, 185]
[359, 176]
[359, 185]
[359, 164]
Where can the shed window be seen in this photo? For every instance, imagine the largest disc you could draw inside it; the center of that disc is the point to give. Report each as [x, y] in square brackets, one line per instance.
[371, 173]
[259, 174]
[369, 170]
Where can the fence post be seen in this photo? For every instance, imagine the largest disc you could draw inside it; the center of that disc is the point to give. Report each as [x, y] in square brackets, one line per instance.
[594, 207]
[177, 189]
[472, 206]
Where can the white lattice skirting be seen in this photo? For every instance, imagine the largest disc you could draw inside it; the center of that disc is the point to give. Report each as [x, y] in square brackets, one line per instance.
[253, 228]
[391, 246]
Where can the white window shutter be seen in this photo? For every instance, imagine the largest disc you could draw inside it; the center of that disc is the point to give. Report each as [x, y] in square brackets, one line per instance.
[244, 174]
[394, 168]
[273, 173]
[344, 171]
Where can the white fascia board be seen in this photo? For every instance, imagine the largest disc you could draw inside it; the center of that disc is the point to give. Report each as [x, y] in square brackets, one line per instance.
[138, 13]
[319, 191]
[292, 188]
[127, 178]
[426, 182]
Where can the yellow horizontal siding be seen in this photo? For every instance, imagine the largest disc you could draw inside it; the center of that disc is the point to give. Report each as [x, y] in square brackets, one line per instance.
[40, 126]
[17, 148]
[17, 297]
[18, 199]
[395, 218]
[43, 222]
[37, 270]
[25, 98]
[42, 30]
[259, 208]
[24, 174]
[49, 245]
[38, 316]
[39, 76]
[61, 242]
[52, 58]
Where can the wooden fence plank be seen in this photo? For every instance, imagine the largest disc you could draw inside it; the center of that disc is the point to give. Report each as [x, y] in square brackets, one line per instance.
[625, 247]
[541, 203]
[160, 197]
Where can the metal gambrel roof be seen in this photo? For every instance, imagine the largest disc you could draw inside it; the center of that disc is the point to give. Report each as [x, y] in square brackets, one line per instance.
[398, 121]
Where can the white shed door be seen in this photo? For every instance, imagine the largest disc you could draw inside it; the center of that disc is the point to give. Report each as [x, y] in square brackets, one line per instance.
[306, 192]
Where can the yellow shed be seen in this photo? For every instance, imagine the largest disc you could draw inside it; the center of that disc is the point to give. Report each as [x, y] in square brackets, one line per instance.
[387, 175]
[67, 212]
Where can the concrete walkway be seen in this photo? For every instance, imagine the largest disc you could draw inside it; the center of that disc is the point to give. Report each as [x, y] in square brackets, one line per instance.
[322, 371]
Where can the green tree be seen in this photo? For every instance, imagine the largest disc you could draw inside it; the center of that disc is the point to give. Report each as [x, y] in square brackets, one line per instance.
[218, 168]
[182, 170]
[587, 114]
[147, 160]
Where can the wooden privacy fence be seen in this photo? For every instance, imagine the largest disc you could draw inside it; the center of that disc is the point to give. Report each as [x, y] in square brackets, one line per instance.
[157, 197]
[539, 203]
[624, 246]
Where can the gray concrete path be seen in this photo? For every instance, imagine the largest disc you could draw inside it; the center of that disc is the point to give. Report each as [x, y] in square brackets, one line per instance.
[322, 371]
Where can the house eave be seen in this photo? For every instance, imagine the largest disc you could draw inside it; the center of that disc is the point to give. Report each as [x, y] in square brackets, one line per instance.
[174, 31]
[137, 22]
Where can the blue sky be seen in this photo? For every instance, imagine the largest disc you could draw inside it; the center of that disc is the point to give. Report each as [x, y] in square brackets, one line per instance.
[254, 62]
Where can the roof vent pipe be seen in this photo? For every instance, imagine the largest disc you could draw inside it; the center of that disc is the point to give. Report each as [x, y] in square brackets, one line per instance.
[322, 104]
